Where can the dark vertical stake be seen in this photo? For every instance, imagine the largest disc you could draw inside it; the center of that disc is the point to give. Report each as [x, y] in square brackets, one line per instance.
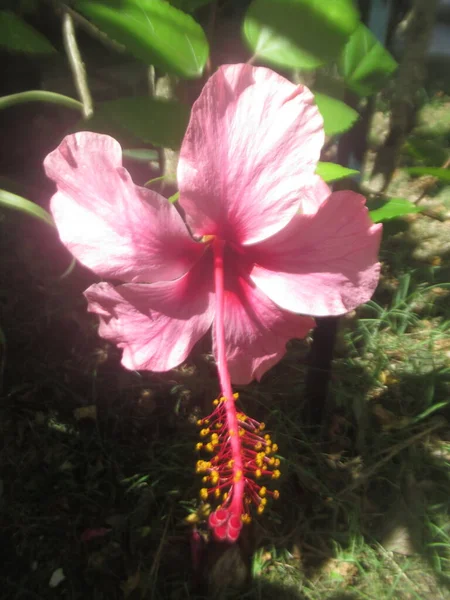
[351, 150]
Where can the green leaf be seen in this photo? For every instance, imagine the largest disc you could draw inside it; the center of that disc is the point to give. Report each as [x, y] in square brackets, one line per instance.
[17, 36]
[365, 64]
[337, 116]
[439, 173]
[40, 96]
[394, 207]
[332, 172]
[153, 31]
[9, 200]
[189, 5]
[429, 152]
[151, 120]
[299, 34]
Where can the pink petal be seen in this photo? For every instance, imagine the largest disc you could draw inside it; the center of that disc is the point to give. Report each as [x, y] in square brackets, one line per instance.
[156, 325]
[253, 139]
[312, 195]
[113, 227]
[322, 264]
[256, 330]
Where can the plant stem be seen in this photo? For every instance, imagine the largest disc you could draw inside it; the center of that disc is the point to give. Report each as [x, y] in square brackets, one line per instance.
[76, 64]
[224, 375]
[40, 96]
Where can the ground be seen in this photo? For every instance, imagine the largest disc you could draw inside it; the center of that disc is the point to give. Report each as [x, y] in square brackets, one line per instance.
[97, 464]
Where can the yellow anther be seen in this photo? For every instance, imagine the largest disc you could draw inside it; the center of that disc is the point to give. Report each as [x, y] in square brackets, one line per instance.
[207, 239]
[214, 436]
[225, 496]
[204, 432]
[272, 461]
[219, 425]
[262, 426]
[235, 395]
[241, 431]
[215, 402]
[192, 518]
[277, 462]
[246, 519]
[230, 463]
[231, 432]
[276, 494]
[217, 493]
[214, 477]
[258, 446]
[237, 476]
[260, 509]
[198, 446]
[204, 494]
[276, 474]
[258, 473]
[205, 479]
[263, 501]
[209, 447]
[263, 491]
[259, 461]
[274, 447]
[268, 449]
[267, 437]
[200, 422]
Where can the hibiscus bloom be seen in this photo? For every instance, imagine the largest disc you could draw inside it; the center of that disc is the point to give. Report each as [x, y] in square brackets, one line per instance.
[246, 178]
[267, 243]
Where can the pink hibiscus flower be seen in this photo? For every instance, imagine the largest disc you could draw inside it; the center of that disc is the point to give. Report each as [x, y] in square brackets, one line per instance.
[267, 243]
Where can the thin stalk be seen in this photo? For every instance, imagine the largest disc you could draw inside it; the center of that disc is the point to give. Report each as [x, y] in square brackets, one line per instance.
[76, 64]
[40, 96]
[224, 375]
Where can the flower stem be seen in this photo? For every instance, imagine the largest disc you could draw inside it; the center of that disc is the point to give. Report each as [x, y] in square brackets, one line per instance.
[224, 378]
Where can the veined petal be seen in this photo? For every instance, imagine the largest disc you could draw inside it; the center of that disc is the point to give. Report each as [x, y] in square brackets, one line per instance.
[256, 330]
[322, 264]
[252, 139]
[156, 325]
[115, 228]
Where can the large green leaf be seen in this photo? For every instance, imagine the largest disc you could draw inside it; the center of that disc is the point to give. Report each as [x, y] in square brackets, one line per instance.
[299, 34]
[332, 172]
[189, 5]
[153, 31]
[394, 207]
[365, 64]
[9, 200]
[439, 173]
[337, 116]
[17, 36]
[151, 120]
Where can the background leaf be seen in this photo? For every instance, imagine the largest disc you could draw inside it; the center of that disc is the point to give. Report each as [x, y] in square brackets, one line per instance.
[17, 36]
[153, 31]
[301, 34]
[394, 207]
[439, 173]
[9, 200]
[337, 116]
[189, 5]
[365, 64]
[151, 120]
[332, 172]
